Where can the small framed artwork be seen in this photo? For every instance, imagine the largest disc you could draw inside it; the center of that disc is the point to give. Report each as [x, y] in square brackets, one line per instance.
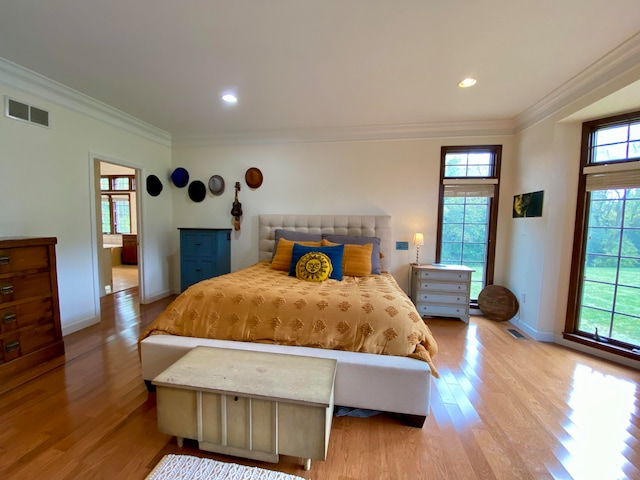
[528, 204]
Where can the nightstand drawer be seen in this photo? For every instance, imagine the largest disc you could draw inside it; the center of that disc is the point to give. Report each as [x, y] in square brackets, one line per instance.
[444, 287]
[442, 298]
[445, 310]
[444, 276]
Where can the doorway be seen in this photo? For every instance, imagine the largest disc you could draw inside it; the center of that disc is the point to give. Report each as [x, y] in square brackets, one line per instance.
[117, 197]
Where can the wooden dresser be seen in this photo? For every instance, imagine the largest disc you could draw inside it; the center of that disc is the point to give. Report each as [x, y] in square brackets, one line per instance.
[30, 334]
[441, 290]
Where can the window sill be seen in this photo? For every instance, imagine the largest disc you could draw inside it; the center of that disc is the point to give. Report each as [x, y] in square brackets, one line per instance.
[604, 346]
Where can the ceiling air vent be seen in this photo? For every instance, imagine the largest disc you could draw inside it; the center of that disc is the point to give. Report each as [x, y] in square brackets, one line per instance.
[28, 113]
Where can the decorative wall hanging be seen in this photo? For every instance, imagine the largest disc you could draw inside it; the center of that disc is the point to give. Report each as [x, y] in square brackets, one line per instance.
[528, 204]
[180, 177]
[253, 177]
[197, 191]
[216, 185]
[154, 185]
[236, 211]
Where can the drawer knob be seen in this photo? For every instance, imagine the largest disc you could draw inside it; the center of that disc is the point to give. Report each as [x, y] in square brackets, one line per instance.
[5, 260]
[6, 289]
[11, 346]
[8, 318]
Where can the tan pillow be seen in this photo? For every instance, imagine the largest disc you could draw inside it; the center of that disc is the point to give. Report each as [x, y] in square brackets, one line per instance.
[282, 258]
[356, 260]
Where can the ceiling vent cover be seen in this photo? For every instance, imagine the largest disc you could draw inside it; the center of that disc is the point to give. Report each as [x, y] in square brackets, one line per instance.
[28, 113]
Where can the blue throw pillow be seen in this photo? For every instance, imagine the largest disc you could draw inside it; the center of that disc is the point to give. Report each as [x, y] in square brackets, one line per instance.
[334, 253]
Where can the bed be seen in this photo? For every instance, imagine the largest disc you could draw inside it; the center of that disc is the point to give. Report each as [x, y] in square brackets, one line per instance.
[380, 366]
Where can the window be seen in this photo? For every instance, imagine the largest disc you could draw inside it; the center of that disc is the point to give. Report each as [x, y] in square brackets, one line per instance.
[468, 210]
[116, 203]
[604, 302]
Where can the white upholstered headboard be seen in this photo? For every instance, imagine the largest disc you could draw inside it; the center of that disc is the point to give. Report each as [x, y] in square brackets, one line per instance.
[358, 225]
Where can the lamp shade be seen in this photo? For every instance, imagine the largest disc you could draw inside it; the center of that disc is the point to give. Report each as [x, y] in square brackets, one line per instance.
[418, 239]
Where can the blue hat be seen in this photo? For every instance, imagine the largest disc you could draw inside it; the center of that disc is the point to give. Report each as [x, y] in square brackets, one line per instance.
[180, 177]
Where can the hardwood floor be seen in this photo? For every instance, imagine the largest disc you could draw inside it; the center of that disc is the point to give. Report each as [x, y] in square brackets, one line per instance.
[503, 409]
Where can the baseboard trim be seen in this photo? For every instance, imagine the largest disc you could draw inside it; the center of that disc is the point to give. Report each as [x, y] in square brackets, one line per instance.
[154, 298]
[72, 327]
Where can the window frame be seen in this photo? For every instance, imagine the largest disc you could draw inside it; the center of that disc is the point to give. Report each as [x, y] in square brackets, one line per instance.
[578, 255]
[111, 192]
[496, 151]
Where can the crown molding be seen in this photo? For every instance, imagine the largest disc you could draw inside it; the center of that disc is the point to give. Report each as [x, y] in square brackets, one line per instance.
[351, 134]
[30, 82]
[615, 63]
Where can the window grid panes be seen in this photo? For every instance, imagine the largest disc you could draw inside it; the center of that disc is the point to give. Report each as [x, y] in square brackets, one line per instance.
[465, 236]
[468, 211]
[468, 164]
[610, 291]
[616, 143]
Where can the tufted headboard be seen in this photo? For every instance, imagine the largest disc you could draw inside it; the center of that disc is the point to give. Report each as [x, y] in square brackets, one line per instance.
[358, 225]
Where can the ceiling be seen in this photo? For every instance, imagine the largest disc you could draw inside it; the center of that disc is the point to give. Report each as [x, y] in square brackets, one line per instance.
[303, 64]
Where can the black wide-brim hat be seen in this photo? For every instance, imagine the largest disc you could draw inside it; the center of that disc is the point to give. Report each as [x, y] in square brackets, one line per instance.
[197, 191]
[180, 177]
[154, 185]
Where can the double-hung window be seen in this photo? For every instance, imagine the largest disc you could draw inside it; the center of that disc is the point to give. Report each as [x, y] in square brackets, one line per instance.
[468, 211]
[604, 298]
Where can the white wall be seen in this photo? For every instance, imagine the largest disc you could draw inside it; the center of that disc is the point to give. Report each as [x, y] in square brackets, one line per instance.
[45, 191]
[398, 178]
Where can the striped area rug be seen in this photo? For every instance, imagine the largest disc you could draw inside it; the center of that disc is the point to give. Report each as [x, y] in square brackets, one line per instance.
[187, 467]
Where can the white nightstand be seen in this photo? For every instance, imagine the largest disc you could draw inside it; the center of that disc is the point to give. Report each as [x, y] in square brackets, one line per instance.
[441, 290]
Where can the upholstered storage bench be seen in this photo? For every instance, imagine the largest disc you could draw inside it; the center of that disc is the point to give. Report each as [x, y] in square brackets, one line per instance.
[374, 382]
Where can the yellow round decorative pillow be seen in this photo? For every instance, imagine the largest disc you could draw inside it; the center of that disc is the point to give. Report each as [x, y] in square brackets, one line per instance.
[314, 267]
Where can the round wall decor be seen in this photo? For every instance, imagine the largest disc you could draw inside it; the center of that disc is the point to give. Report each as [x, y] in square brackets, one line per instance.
[154, 185]
[197, 191]
[253, 177]
[216, 184]
[180, 177]
[498, 303]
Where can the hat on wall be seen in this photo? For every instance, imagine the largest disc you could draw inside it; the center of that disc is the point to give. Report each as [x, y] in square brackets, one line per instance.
[253, 177]
[216, 184]
[197, 191]
[154, 185]
[180, 177]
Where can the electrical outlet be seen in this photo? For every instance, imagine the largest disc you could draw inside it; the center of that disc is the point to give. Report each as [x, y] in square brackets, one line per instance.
[523, 298]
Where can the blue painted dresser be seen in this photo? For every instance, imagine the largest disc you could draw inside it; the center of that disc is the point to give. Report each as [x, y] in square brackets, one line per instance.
[204, 253]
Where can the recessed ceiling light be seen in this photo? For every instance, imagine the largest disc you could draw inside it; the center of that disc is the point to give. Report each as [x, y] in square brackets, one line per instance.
[467, 82]
[229, 98]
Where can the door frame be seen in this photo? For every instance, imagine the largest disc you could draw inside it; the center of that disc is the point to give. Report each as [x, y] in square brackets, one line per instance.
[96, 240]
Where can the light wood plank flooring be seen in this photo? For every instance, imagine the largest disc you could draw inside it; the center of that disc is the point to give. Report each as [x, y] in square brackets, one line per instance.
[502, 409]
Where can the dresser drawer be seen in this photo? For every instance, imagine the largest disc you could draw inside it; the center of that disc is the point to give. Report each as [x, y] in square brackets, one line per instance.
[198, 245]
[25, 314]
[24, 286]
[443, 287]
[445, 310]
[36, 337]
[23, 258]
[442, 298]
[10, 348]
[444, 276]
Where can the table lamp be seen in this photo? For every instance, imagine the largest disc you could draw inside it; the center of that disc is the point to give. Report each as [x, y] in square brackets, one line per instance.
[418, 240]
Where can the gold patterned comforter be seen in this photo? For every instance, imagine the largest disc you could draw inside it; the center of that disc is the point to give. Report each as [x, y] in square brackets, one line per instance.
[258, 304]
